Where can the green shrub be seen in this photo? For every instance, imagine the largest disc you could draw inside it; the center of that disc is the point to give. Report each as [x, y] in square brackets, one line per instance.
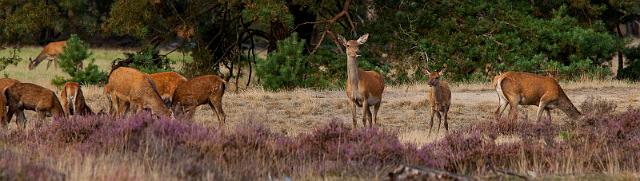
[147, 60]
[71, 61]
[284, 68]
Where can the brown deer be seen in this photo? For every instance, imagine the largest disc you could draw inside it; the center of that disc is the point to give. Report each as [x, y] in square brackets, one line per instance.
[167, 82]
[364, 88]
[206, 89]
[521, 88]
[21, 96]
[73, 101]
[4, 84]
[50, 53]
[129, 88]
[439, 98]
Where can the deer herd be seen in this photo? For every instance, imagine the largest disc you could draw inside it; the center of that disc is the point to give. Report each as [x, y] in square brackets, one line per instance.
[170, 94]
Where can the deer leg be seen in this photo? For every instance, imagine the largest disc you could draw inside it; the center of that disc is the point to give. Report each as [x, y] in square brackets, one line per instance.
[21, 120]
[40, 118]
[541, 109]
[433, 112]
[548, 114]
[216, 106]
[501, 108]
[513, 109]
[353, 113]
[446, 119]
[365, 112]
[439, 121]
[375, 112]
[7, 117]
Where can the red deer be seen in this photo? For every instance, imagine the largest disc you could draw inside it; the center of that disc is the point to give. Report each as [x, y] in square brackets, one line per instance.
[206, 89]
[364, 88]
[439, 98]
[73, 101]
[4, 84]
[129, 88]
[33, 97]
[521, 88]
[167, 82]
[50, 53]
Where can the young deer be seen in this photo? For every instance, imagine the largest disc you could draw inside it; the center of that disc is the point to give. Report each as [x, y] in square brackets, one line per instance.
[364, 88]
[439, 98]
[521, 88]
[206, 89]
[49, 52]
[21, 96]
[73, 101]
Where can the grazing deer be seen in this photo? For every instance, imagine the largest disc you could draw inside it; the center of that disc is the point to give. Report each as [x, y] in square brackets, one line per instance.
[129, 88]
[167, 82]
[439, 98]
[21, 96]
[521, 88]
[206, 89]
[73, 101]
[4, 84]
[364, 88]
[50, 53]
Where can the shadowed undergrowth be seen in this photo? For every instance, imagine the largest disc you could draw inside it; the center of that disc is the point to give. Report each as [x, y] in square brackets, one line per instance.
[175, 149]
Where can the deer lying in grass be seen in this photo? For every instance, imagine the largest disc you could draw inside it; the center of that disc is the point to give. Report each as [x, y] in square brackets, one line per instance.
[129, 88]
[521, 88]
[50, 52]
[21, 96]
[206, 89]
[364, 88]
[167, 82]
[4, 84]
[439, 98]
[73, 101]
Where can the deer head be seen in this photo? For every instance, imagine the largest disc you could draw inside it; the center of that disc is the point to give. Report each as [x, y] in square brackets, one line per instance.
[353, 46]
[434, 77]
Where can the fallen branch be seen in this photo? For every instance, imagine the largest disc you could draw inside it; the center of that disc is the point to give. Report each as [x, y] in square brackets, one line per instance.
[413, 173]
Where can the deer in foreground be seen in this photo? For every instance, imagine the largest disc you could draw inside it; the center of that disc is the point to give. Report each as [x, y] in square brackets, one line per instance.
[4, 84]
[439, 98]
[167, 82]
[364, 88]
[50, 52]
[206, 89]
[130, 89]
[21, 96]
[521, 88]
[73, 101]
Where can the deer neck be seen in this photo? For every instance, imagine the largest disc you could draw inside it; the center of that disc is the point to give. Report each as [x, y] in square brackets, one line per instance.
[353, 75]
[437, 92]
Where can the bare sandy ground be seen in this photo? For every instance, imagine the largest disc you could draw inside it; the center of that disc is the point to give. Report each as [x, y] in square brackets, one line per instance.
[404, 109]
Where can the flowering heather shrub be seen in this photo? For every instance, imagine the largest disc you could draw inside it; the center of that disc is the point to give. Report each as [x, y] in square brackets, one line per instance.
[253, 152]
[14, 167]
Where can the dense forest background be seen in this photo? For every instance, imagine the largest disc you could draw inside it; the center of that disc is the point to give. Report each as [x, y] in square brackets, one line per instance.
[568, 39]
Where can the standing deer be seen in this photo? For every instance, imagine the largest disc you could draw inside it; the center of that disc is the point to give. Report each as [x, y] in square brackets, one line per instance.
[206, 89]
[364, 88]
[21, 96]
[439, 98]
[4, 84]
[167, 82]
[50, 53]
[129, 88]
[73, 101]
[521, 88]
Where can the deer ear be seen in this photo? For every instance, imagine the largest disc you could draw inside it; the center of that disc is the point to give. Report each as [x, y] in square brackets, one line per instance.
[441, 72]
[363, 39]
[342, 40]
